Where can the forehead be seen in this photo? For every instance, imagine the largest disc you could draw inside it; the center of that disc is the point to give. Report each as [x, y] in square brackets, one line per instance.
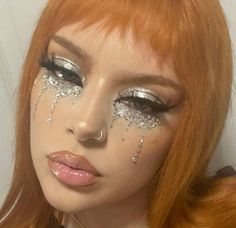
[123, 53]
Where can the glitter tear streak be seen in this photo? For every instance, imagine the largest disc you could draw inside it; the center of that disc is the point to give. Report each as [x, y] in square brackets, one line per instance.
[64, 88]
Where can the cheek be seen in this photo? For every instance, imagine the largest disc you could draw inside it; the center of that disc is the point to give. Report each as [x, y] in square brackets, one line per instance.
[41, 131]
[157, 145]
[123, 145]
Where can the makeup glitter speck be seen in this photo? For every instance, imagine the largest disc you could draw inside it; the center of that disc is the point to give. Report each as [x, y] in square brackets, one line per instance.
[62, 89]
[134, 117]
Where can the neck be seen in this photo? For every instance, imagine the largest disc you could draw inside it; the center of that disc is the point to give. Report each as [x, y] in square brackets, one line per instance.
[127, 213]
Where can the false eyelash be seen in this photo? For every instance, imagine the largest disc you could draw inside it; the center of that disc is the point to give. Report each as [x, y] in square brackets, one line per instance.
[51, 66]
[133, 102]
[137, 102]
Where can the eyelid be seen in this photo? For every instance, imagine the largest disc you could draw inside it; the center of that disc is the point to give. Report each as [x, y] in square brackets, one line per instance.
[141, 93]
[67, 64]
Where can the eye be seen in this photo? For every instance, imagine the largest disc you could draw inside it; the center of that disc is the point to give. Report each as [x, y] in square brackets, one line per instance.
[144, 101]
[64, 69]
[144, 105]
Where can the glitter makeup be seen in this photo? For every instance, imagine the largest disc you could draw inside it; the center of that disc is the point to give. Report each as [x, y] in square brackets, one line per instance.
[142, 115]
[68, 65]
[61, 75]
[42, 91]
[62, 89]
[138, 106]
[126, 130]
[140, 146]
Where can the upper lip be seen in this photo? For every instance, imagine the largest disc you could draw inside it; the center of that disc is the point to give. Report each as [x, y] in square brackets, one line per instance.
[73, 161]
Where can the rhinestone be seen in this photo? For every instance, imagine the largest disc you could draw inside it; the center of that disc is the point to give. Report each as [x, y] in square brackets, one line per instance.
[49, 120]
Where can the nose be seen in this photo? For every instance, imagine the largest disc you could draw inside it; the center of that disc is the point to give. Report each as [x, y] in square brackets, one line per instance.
[90, 115]
[84, 131]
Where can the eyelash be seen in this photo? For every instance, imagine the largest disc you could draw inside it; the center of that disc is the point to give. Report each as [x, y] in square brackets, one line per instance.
[143, 105]
[50, 65]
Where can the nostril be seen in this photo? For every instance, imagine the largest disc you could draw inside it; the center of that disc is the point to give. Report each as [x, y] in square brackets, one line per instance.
[69, 131]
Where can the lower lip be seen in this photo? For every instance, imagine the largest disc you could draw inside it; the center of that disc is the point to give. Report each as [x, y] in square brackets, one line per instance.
[70, 176]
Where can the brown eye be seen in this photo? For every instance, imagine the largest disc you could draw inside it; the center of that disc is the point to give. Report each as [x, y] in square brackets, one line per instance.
[61, 72]
[144, 105]
[69, 76]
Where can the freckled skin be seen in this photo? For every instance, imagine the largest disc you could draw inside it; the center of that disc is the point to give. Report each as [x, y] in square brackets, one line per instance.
[122, 190]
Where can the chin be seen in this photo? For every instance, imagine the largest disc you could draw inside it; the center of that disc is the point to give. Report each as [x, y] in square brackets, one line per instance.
[65, 199]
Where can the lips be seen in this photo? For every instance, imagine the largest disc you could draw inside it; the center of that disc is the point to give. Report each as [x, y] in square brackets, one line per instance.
[73, 161]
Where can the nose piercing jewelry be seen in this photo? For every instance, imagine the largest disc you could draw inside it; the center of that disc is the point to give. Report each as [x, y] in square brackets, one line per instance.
[142, 121]
[100, 136]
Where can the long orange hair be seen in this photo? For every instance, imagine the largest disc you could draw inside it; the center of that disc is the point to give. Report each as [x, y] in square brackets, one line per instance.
[195, 34]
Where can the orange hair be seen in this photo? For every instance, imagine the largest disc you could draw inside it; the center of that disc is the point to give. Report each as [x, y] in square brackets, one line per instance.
[195, 34]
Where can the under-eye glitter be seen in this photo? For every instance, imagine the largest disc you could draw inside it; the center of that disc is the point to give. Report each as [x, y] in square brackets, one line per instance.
[42, 91]
[62, 89]
[135, 117]
[140, 146]
[55, 102]
[126, 130]
[114, 118]
[68, 64]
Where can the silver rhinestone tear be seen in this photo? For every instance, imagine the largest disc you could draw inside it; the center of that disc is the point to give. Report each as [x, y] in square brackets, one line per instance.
[62, 89]
[136, 117]
[140, 146]
[55, 102]
[126, 130]
[40, 94]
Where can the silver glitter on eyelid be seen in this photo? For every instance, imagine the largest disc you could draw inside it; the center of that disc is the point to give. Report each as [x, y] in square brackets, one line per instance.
[68, 64]
[136, 117]
[141, 93]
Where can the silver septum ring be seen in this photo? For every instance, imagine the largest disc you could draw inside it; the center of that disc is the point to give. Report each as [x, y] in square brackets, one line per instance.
[100, 136]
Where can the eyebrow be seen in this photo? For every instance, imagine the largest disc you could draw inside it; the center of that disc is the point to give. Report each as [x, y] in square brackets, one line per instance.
[153, 79]
[76, 50]
[132, 77]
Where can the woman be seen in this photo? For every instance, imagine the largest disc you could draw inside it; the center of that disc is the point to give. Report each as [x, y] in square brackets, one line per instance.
[121, 105]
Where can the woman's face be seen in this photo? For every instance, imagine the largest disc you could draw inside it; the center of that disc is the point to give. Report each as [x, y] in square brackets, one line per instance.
[89, 81]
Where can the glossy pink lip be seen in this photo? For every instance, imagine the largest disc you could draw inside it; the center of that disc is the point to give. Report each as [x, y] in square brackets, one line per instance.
[73, 161]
